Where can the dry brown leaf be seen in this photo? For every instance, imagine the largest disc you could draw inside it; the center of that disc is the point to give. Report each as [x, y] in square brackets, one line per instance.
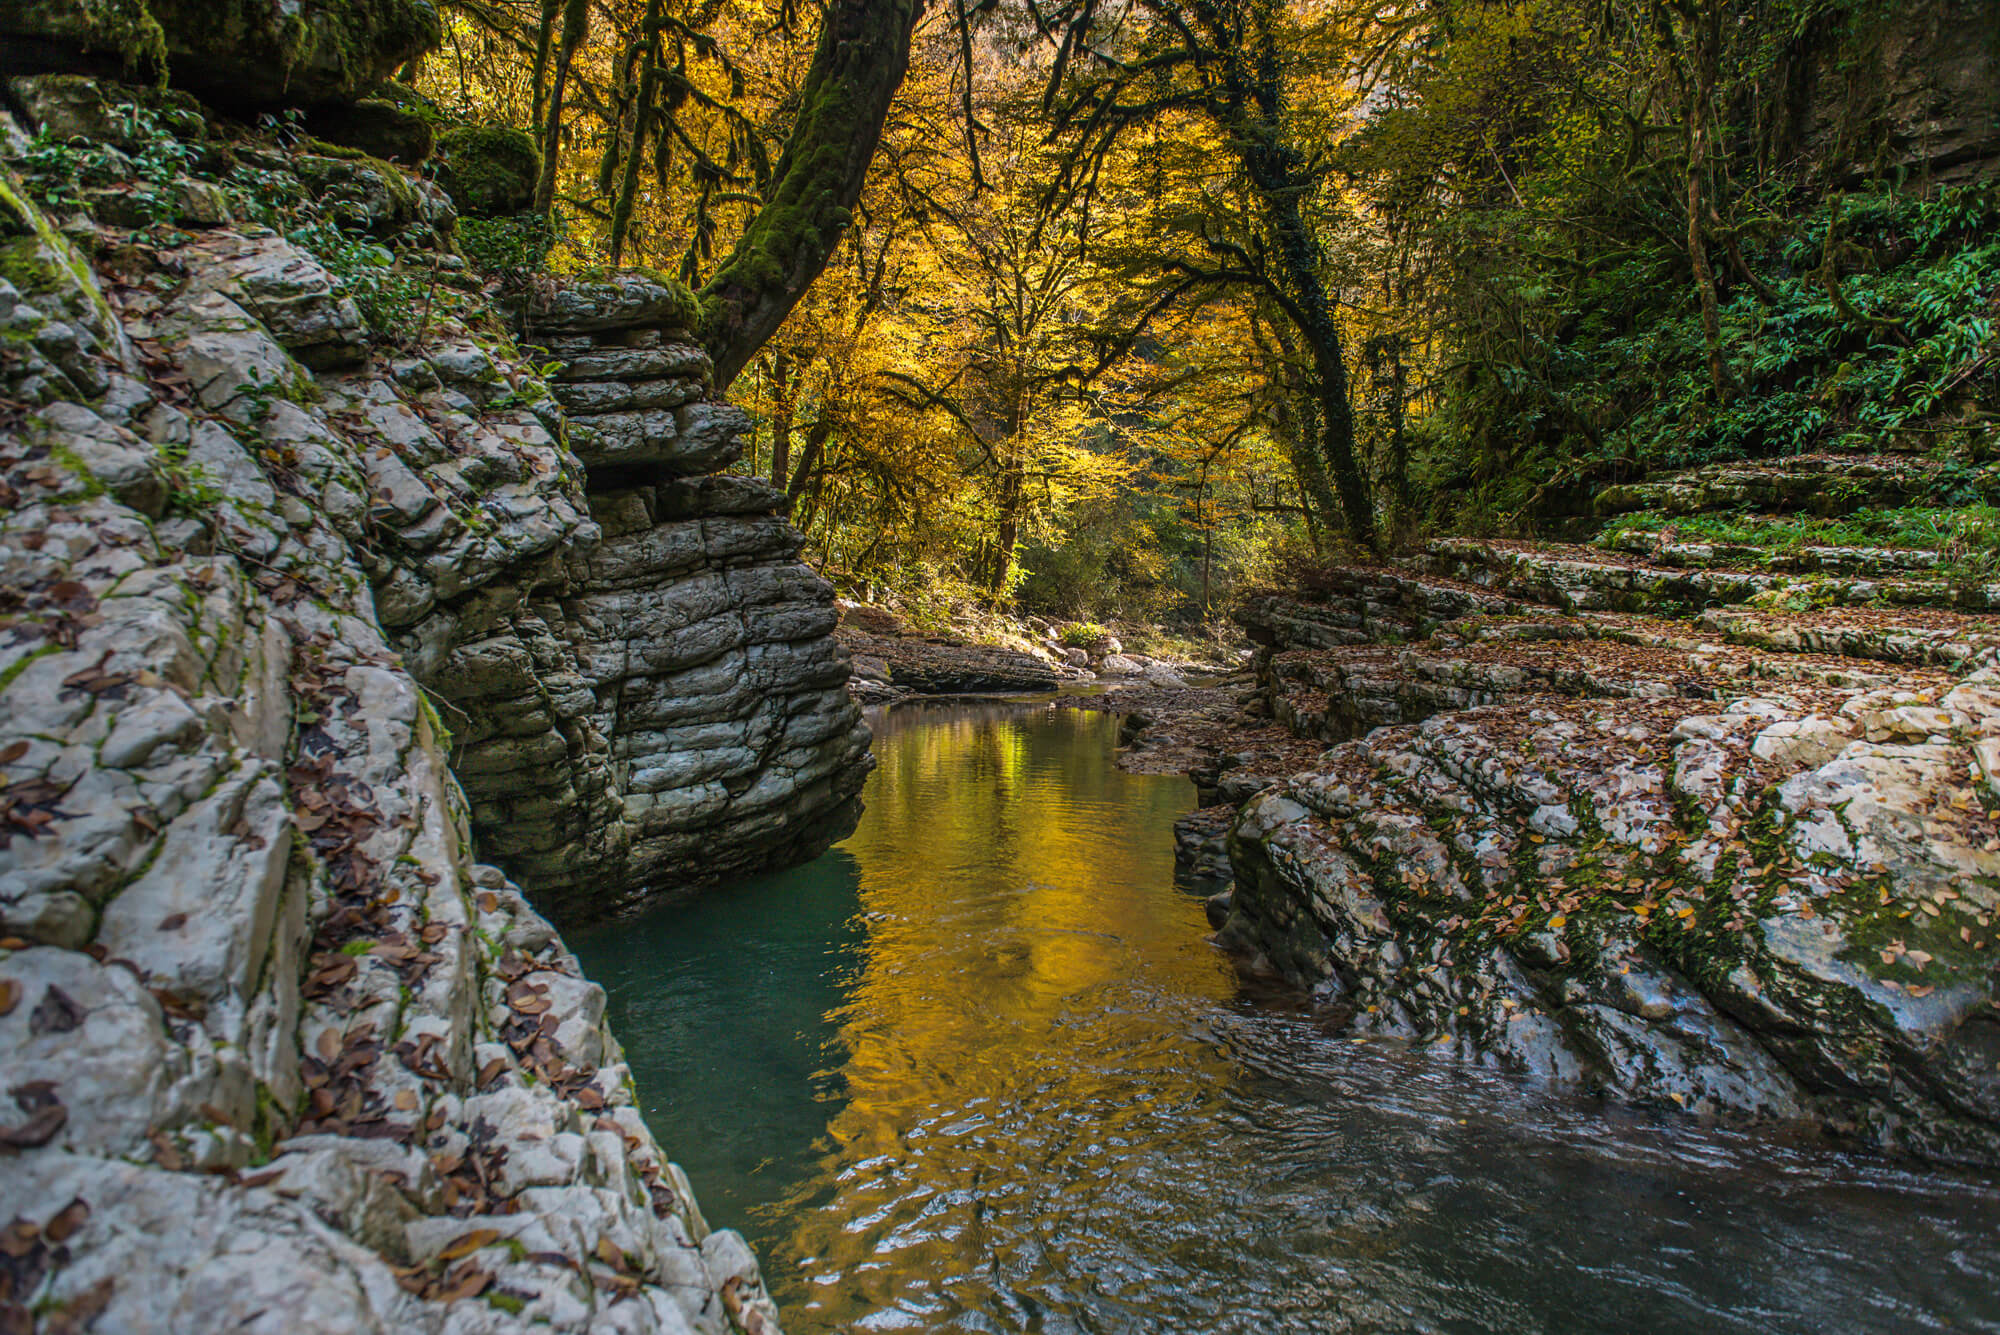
[470, 1243]
[67, 1221]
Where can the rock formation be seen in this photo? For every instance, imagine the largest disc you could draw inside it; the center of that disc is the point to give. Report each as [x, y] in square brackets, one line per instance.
[677, 713]
[1638, 827]
[280, 1050]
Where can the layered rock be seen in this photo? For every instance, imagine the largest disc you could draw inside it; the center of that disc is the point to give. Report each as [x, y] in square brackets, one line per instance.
[677, 713]
[1741, 859]
[281, 1051]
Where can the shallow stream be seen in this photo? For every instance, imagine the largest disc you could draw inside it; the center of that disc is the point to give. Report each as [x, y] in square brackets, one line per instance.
[977, 1069]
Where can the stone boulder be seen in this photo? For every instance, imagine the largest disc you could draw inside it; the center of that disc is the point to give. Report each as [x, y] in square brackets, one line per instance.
[381, 127]
[489, 170]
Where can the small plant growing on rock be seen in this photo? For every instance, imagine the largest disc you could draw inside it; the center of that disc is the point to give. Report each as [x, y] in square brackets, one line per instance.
[71, 173]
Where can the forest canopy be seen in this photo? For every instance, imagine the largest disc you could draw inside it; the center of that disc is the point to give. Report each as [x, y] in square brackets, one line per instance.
[1110, 308]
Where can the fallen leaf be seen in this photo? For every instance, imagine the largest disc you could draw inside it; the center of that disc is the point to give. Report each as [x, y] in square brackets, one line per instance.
[67, 1221]
[39, 1129]
[470, 1243]
[465, 1282]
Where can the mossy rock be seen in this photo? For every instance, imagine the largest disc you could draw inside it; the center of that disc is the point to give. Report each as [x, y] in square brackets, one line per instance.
[241, 55]
[362, 192]
[118, 37]
[378, 127]
[66, 106]
[488, 170]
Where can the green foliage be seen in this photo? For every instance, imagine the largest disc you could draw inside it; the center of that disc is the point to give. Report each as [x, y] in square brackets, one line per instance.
[58, 172]
[515, 245]
[1965, 536]
[390, 297]
[1083, 634]
[1532, 170]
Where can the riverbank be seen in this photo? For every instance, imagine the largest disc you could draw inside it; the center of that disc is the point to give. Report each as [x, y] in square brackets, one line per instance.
[1645, 826]
[1531, 804]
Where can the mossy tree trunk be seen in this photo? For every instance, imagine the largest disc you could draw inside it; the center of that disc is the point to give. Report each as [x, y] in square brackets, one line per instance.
[545, 36]
[863, 52]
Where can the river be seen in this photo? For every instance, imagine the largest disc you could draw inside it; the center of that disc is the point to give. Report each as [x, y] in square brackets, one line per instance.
[976, 1069]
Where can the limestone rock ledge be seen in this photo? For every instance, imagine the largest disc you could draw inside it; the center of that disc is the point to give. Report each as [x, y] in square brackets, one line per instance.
[1745, 862]
[276, 1052]
[675, 711]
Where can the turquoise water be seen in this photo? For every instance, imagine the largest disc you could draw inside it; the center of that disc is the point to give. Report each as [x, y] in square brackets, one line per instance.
[976, 1069]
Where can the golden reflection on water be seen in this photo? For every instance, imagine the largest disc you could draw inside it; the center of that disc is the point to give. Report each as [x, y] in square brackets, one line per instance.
[1027, 981]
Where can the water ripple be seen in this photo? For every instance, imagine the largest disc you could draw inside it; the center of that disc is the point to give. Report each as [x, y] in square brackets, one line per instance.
[977, 1071]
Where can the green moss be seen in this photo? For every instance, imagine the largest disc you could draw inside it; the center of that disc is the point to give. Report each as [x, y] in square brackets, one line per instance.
[122, 28]
[686, 312]
[489, 170]
[14, 669]
[42, 257]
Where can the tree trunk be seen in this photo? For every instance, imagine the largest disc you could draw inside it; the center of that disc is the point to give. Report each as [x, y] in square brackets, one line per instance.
[1253, 116]
[545, 35]
[783, 383]
[863, 53]
[575, 22]
[1399, 435]
[642, 124]
[1008, 531]
[1301, 419]
[808, 461]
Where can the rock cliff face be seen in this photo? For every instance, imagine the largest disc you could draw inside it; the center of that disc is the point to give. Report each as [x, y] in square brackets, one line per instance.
[279, 1050]
[1743, 859]
[1914, 89]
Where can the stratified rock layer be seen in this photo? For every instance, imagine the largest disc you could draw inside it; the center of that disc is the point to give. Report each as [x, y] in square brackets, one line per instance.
[677, 712]
[1741, 859]
[240, 54]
